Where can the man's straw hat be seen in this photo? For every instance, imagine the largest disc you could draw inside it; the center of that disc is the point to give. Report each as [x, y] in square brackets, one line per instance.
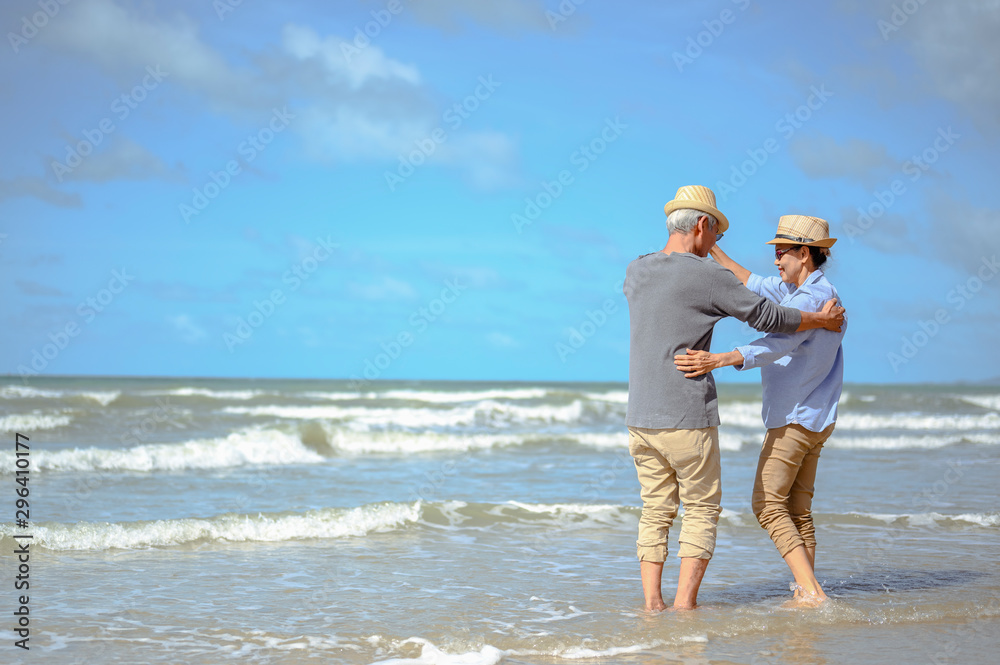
[802, 230]
[698, 198]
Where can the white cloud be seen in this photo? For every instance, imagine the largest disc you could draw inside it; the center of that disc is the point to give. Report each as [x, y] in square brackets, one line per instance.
[890, 233]
[953, 43]
[385, 288]
[123, 42]
[123, 159]
[361, 106]
[502, 340]
[478, 277]
[357, 66]
[37, 188]
[487, 160]
[188, 330]
[956, 43]
[953, 232]
[333, 132]
[962, 234]
[309, 336]
[822, 156]
[510, 15]
[32, 288]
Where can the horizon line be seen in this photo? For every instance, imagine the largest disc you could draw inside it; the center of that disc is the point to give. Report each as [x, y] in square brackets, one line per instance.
[995, 381]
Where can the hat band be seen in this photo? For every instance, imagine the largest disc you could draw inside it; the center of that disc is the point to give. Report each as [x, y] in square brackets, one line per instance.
[793, 238]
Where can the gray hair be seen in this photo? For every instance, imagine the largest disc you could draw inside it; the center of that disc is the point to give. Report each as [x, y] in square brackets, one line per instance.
[684, 220]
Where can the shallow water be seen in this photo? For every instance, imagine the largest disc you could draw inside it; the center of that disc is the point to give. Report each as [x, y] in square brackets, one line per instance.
[304, 521]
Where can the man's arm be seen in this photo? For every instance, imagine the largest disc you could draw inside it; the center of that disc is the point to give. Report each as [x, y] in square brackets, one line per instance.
[731, 298]
[725, 261]
[830, 317]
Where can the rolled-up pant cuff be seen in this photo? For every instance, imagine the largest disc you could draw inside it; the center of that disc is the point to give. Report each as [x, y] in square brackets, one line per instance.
[654, 553]
[786, 543]
[696, 549]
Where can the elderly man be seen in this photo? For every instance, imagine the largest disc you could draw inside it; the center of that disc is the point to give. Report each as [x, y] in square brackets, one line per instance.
[675, 297]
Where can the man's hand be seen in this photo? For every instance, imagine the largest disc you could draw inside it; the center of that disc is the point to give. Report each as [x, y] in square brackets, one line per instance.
[696, 363]
[833, 315]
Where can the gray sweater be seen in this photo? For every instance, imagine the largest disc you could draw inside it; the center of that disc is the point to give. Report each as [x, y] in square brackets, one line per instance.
[674, 301]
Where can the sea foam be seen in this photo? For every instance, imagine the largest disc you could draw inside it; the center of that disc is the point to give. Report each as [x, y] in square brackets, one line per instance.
[212, 394]
[34, 421]
[22, 392]
[985, 401]
[483, 413]
[444, 397]
[248, 447]
[326, 523]
[431, 655]
[102, 397]
[933, 518]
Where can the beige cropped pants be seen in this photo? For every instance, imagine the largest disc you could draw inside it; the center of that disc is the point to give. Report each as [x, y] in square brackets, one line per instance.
[677, 466]
[783, 488]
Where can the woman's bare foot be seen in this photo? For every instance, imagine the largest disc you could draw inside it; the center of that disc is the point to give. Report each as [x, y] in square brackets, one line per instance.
[805, 600]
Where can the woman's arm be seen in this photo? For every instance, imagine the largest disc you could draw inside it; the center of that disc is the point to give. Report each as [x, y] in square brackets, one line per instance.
[696, 363]
[723, 259]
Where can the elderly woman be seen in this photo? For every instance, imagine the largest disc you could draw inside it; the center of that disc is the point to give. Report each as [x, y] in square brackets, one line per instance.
[802, 376]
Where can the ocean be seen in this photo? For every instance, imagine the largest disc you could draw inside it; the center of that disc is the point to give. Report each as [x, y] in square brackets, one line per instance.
[284, 521]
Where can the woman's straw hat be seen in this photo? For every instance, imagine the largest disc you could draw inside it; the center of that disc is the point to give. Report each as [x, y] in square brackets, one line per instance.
[802, 230]
[698, 198]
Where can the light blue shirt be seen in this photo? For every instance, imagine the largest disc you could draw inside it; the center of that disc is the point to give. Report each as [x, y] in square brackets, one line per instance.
[803, 372]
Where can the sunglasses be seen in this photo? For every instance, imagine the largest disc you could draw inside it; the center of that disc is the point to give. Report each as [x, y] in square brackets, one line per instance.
[778, 253]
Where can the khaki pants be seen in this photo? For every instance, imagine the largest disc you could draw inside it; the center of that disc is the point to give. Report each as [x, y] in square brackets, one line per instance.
[677, 466]
[783, 488]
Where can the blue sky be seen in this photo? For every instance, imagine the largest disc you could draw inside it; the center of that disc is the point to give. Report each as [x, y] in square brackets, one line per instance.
[451, 189]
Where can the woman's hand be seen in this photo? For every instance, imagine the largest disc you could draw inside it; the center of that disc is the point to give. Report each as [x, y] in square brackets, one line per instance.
[696, 363]
[723, 259]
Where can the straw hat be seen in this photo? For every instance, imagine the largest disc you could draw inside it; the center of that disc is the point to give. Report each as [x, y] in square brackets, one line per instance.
[802, 230]
[698, 198]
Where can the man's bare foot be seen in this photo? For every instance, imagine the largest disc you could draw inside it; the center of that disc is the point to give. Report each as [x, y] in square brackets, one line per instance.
[655, 605]
[679, 608]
